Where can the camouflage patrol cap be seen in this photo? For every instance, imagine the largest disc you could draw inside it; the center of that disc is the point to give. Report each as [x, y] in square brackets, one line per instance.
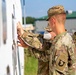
[59, 9]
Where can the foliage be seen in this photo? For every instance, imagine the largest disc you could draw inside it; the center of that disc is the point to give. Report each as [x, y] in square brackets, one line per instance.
[29, 20]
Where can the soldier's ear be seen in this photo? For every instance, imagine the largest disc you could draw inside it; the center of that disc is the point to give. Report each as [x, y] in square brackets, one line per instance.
[53, 19]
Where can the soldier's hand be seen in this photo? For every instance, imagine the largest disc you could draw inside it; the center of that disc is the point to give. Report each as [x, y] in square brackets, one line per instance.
[20, 29]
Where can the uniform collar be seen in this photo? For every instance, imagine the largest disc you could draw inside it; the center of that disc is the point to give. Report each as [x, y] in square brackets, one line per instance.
[59, 35]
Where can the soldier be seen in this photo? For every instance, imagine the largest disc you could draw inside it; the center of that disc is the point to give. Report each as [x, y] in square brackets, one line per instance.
[62, 56]
[39, 46]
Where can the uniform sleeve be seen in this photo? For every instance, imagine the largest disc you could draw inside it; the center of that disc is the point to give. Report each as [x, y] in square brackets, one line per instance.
[61, 60]
[44, 54]
[36, 46]
[41, 55]
[65, 60]
[32, 40]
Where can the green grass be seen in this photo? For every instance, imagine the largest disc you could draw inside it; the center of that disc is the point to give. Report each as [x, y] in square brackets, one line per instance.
[31, 65]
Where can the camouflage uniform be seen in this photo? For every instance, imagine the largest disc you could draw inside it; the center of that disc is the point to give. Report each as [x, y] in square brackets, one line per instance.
[74, 37]
[40, 49]
[62, 56]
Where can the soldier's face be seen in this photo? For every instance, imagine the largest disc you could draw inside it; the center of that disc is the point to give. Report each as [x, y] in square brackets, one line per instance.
[52, 23]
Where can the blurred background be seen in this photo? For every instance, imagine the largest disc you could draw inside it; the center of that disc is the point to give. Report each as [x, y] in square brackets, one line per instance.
[35, 12]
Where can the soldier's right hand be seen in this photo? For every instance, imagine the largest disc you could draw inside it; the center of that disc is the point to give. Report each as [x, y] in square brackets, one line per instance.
[20, 29]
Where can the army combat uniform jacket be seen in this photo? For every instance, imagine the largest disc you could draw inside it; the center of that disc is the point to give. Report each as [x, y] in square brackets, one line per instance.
[39, 47]
[74, 38]
[62, 56]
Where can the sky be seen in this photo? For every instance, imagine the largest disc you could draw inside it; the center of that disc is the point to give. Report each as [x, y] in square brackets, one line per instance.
[39, 8]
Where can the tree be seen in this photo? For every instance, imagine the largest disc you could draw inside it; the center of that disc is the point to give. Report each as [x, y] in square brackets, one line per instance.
[29, 20]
